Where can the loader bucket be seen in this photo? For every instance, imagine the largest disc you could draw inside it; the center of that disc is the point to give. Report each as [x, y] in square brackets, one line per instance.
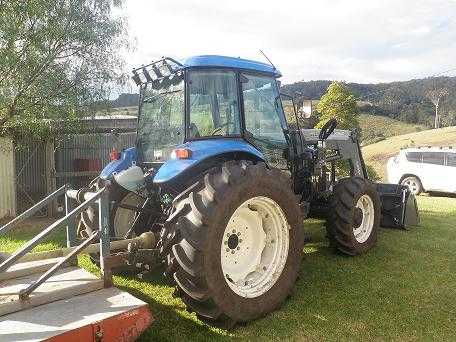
[399, 208]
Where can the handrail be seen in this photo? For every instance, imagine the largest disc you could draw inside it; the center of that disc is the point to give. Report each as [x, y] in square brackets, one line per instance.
[33, 242]
[29, 212]
[24, 293]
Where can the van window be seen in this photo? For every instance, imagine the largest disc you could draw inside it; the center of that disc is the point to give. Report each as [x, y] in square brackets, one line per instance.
[451, 159]
[437, 158]
[415, 157]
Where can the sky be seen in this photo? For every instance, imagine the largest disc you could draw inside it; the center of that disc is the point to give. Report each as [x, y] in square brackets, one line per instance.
[367, 41]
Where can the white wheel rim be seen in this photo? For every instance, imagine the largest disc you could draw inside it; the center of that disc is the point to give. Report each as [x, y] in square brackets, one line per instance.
[254, 247]
[412, 185]
[364, 230]
[124, 218]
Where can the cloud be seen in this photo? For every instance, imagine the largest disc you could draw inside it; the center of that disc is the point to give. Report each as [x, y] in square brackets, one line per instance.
[360, 41]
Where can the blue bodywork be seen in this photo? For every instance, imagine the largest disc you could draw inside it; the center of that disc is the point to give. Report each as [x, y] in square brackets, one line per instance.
[230, 62]
[127, 158]
[202, 150]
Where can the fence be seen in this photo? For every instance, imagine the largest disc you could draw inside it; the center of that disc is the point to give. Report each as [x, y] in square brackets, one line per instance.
[7, 184]
[30, 174]
[30, 170]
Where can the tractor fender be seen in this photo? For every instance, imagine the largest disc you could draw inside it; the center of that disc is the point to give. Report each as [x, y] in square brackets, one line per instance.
[126, 160]
[203, 155]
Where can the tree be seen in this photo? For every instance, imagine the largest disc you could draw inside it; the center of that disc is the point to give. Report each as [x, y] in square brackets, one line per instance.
[57, 58]
[435, 96]
[339, 103]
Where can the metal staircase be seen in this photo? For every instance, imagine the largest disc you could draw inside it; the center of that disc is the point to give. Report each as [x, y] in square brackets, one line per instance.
[29, 280]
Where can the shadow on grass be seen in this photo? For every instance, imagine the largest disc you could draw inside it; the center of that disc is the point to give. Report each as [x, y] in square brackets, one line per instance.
[171, 321]
[441, 194]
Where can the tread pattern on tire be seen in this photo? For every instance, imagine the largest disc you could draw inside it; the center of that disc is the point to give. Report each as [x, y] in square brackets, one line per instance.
[339, 224]
[185, 232]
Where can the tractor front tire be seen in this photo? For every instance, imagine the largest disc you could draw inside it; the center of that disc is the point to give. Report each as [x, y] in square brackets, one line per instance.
[354, 216]
[237, 241]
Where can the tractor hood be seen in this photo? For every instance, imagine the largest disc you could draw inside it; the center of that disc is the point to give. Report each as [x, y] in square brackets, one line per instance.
[202, 150]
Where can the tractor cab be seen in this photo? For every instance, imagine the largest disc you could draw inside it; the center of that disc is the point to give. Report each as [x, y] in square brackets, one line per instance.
[207, 106]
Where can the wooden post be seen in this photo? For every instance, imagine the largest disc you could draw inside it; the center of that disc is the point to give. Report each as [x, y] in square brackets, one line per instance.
[51, 185]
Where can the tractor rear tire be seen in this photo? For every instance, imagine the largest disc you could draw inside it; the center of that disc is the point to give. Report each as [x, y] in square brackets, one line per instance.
[354, 216]
[203, 239]
[120, 220]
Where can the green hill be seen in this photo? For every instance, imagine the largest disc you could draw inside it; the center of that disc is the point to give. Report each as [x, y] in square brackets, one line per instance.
[376, 128]
[376, 155]
[406, 101]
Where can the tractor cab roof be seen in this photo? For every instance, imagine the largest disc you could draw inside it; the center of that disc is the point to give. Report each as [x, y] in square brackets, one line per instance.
[230, 62]
[166, 68]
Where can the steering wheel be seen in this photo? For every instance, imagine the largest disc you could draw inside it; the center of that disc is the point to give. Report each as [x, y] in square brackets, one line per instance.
[327, 129]
[225, 124]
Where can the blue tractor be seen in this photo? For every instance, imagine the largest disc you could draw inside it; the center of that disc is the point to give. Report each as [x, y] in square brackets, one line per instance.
[224, 178]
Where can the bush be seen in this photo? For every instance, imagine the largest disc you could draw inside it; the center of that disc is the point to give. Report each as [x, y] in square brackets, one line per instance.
[372, 173]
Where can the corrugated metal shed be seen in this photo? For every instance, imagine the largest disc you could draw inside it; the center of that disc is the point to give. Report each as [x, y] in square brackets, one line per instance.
[72, 150]
[7, 176]
[26, 172]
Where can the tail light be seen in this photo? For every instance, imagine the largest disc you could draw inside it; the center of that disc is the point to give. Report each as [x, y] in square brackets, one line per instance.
[181, 153]
[114, 155]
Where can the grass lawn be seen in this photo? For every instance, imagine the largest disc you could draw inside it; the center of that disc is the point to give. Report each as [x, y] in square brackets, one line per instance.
[404, 289]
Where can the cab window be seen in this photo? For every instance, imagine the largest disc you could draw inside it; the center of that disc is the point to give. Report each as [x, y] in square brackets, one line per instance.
[213, 104]
[262, 110]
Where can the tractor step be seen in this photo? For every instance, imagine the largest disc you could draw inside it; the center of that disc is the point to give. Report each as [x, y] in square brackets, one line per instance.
[65, 283]
[104, 315]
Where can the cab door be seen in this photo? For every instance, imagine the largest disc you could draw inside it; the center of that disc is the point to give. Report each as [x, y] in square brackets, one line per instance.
[264, 121]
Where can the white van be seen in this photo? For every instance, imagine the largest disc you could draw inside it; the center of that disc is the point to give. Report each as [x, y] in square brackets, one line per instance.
[424, 169]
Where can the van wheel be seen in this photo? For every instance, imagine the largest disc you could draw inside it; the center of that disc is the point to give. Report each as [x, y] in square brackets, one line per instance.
[414, 184]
